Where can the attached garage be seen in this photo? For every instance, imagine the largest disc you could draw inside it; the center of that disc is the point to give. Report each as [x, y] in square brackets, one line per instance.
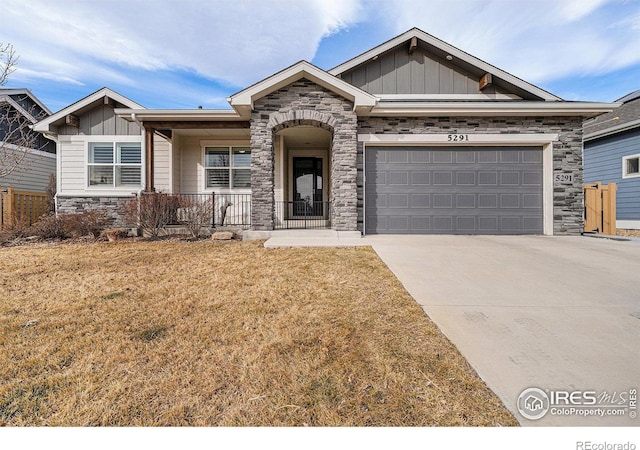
[453, 190]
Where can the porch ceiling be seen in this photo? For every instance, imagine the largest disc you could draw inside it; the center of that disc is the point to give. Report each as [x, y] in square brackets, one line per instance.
[306, 137]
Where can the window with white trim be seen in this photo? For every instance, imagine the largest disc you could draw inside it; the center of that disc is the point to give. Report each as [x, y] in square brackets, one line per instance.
[227, 167]
[631, 166]
[115, 164]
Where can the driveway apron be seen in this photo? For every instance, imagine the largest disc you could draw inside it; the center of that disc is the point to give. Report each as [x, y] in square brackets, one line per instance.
[561, 314]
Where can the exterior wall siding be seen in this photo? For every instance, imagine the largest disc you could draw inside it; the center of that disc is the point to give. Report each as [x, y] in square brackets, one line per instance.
[101, 120]
[603, 162]
[161, 164]
[304, 103]
[567, 152]
[398, 72]
[33, 172]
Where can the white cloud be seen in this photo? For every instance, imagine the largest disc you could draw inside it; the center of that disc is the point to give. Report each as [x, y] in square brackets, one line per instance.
[149, 46]
[537, 40]
[236, 41]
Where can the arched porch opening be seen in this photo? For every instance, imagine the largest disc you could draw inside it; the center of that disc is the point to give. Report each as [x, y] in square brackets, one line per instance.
[302, 168]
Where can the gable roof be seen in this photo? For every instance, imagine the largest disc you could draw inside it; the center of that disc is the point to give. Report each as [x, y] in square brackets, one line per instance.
[7, 96]
[243, 101]
[624, 118]
[85, 104]
[458, 57]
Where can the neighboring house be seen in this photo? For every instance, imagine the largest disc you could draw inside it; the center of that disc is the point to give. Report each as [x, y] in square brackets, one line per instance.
[612, 155]
[21, 109]
[412, 136]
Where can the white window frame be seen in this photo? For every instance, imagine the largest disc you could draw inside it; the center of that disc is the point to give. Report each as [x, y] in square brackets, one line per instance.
[625, 160]
[230, 147]
[114, 142]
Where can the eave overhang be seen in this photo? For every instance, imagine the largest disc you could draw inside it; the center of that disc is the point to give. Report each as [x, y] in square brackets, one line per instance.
[44, 126]
[243, 101]
[510, 108]
[166, 115]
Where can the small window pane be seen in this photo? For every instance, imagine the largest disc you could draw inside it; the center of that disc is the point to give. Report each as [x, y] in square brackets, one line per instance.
[129, 153]
[241, 157]
[217, 178]
[128, 176]
[216, 157]
[100, 175]
[101, 153]
[633, 166]
[241, 178]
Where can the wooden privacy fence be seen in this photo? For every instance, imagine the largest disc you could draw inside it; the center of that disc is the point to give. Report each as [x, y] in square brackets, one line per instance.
[21, 207]
[600, 208]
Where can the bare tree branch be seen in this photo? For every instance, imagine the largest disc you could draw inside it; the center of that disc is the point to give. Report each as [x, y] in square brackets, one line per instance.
[8, 60]
[17, 116]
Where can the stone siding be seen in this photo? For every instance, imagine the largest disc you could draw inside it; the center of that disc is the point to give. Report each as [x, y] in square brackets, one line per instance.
[113, 207]
[304, 103]
[567, 152]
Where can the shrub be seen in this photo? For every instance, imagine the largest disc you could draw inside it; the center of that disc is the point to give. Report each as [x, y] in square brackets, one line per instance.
[152, 211]
[15, 229]
[195, 213]
[51, 194]
[65, 226]
[114, 234]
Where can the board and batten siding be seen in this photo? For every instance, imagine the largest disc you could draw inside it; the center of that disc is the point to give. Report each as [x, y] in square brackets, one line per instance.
[33, 172]
[398, 72]
[603, 162]
[101, 120]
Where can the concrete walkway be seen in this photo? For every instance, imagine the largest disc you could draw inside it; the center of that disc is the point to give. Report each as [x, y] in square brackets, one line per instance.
[312, 238]
[556, 313]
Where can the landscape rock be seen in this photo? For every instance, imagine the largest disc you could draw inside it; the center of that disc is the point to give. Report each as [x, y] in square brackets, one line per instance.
[222, 236]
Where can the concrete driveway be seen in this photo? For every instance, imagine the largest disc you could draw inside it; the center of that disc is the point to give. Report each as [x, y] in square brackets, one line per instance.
[555, 313]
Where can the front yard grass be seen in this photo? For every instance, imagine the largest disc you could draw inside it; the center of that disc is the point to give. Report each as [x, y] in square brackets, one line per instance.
[223, 333]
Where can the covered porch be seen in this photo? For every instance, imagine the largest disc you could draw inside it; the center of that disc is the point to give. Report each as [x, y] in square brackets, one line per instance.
[208, 165]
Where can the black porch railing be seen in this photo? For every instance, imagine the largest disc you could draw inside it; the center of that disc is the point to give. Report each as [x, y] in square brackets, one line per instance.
[302, 215]
[215, 210]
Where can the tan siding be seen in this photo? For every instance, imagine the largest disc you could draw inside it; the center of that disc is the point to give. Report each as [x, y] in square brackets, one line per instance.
[191, 180]
[177, 155]
[161, 164]
[72, 165]
[32, 174]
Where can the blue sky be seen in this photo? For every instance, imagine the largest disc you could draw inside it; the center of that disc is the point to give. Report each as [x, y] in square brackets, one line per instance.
[186, 53]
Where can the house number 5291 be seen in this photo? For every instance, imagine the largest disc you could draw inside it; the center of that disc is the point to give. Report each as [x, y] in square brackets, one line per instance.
[457, 137]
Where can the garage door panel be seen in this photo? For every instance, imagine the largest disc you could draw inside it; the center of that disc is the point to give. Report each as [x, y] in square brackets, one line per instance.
[465, 200]
[420, 178]
[453, 190]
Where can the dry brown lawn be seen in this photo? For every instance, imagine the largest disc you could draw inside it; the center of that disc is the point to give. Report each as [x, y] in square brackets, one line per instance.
[223, 333]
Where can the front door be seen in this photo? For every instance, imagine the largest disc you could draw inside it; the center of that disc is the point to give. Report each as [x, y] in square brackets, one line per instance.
[307, 186]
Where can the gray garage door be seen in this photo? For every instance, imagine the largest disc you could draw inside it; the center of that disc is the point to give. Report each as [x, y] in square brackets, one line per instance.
[453, 190]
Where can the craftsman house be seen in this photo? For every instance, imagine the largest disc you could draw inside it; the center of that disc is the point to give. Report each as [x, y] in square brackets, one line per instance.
[412, 136]
[612, 155]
